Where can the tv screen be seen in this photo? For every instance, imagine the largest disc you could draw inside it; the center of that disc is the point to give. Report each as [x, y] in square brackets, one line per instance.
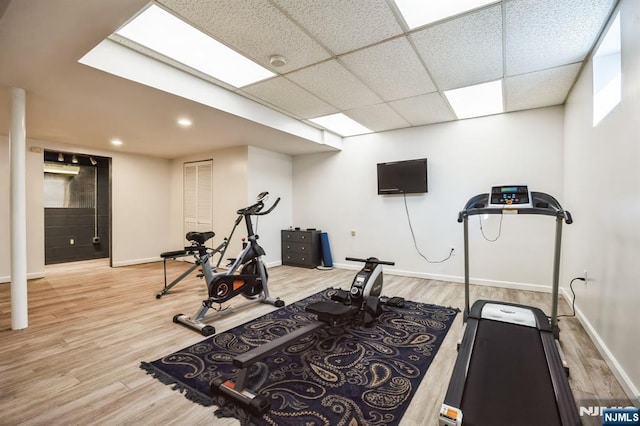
[403, 177]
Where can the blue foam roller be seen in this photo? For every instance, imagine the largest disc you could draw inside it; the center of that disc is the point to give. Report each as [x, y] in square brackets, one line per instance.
[327, 261]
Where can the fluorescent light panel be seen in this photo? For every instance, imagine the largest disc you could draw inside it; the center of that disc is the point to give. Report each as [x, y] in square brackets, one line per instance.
[475, 101]
[162, 32]
[341, 124]
[63, 169]
[417, 13]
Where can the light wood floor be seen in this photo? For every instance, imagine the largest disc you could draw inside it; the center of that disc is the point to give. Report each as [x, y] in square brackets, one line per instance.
[91, 325]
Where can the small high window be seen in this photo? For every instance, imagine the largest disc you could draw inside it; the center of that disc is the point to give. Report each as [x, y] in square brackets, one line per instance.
[607, 73]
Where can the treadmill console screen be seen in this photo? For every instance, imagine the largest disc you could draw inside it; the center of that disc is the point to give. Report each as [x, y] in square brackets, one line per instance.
[510, 196]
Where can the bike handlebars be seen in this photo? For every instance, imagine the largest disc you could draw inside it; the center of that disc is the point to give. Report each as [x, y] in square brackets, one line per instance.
[255, 209]
[271, 209]
[371, 260]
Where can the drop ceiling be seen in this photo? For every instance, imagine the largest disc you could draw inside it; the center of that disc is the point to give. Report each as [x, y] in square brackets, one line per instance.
[357, 57]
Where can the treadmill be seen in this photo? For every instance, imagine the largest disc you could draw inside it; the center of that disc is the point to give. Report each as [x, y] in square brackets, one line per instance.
[510, 368]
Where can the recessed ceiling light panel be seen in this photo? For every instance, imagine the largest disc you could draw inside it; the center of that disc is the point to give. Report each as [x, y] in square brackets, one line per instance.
[164, 33]
[475, 101]
[341, 124]
[116, 142]
[419, 13]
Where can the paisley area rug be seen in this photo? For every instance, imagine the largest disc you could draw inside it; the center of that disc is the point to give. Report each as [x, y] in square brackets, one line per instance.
[350, 375]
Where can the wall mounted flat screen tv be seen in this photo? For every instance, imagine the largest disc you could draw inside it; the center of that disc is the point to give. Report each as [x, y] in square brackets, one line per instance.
[403, 177]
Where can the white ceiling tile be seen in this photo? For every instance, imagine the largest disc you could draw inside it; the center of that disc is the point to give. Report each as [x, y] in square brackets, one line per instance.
[539, 89]
[344, 25]
[253, 27]
[290, 98]
[392, 69]
[543, 34]
[351, 56]
[424, 109]
[378, 117]
[463, 51]
[333, 83]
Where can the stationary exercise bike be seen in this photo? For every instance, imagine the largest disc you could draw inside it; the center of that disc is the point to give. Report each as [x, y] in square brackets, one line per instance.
[360, 305]
[247, 274]
[199, 251]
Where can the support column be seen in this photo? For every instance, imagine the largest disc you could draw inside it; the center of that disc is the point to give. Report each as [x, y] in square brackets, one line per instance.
[18, 148]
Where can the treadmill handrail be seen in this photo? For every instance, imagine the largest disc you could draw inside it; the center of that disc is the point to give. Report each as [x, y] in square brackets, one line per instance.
[543, 204]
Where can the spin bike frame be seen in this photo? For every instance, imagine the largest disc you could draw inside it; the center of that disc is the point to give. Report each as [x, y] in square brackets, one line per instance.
[199, 251]
[248, 265]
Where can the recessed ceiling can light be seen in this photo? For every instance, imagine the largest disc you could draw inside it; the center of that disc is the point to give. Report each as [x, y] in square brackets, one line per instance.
[116, 142]
[184, 122]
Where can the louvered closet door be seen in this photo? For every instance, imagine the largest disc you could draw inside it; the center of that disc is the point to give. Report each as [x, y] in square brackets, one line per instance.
[198, 198]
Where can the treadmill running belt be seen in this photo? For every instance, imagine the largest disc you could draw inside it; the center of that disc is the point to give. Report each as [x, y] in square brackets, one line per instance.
[508, 380]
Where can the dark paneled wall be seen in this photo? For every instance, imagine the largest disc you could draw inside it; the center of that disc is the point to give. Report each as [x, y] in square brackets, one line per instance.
[69, 235]
[69, 232]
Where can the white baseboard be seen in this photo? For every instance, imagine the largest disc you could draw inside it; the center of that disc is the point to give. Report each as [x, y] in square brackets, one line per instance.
[136, 261]
[30, 276]
[273, 264]
[625, 381]
[457, 279]
[35, 275]
[158, 259]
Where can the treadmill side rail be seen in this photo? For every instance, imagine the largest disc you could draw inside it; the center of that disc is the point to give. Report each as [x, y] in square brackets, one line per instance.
[564, 397]
[453, 397]
[449, 416]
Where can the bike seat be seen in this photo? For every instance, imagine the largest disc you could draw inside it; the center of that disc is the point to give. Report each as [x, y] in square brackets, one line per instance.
[200, 237]
[331, 312]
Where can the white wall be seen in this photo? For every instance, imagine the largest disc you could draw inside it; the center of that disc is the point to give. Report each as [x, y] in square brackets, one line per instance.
[338, 194]
[35, 212]
[272, 172]
[602, 184]
[229, 194]
[140, 206]
[5, 210]
[239, 175]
